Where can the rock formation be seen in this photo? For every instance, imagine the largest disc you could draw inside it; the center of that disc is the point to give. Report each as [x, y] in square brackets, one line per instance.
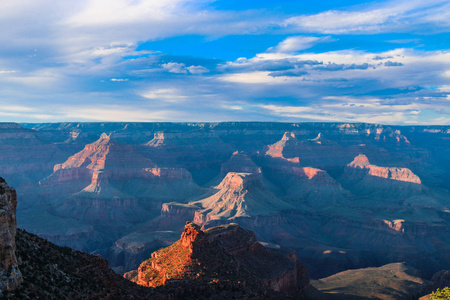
[341, 217]
[239, 162]
[387, 184]
[309, 152]
[288, 142]
[226, 256]
[361, 163]
[199, 151]
[239, 195]
[52, 272]
[10, 276]
[110, 186]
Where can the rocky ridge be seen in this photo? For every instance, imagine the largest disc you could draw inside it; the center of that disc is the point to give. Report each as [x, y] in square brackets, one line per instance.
[10, 275]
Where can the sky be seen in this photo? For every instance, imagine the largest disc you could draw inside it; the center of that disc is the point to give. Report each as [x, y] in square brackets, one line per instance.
[384, 62]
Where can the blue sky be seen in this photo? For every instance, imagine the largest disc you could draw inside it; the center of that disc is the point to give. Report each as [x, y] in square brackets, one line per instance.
[180, 60]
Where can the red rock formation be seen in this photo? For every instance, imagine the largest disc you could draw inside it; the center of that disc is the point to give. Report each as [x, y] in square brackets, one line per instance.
[10, 276]
[198, 255]
[114, 163]
[361, 162]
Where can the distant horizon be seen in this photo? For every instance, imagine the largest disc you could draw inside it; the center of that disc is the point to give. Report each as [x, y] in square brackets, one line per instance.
[218, 122]
[379, 62]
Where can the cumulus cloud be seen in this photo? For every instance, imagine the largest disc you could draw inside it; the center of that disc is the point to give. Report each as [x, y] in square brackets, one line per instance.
[197, 70]
[180, 68]
[173, 67]
[58, 51]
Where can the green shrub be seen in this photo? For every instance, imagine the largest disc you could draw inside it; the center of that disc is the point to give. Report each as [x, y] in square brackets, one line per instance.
[441, 294]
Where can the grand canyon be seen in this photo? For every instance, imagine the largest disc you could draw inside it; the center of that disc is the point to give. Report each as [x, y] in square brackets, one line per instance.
[338, 196]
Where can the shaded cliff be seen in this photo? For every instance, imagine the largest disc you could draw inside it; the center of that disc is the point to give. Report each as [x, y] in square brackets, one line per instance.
[10, 275]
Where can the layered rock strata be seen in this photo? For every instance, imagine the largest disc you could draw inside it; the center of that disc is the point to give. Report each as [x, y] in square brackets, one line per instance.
[362, 168]
[239, 195]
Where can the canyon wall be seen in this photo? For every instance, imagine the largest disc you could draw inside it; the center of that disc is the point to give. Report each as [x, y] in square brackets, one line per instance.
[10, 276]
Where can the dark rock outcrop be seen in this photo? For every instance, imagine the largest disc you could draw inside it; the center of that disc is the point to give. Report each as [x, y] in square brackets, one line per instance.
[10, 275]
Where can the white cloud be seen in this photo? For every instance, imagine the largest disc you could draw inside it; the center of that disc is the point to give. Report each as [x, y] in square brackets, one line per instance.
[197, 70]
[333, 115]
[296, 43]
[173, 67]
[170, 95]
[117, 114]
[7, 71]
[391, 15]
[180, 68]
[256, 77]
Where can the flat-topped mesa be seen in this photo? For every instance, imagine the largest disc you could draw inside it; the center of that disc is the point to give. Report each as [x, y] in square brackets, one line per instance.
[10, 276]
[392, 173]
[239, 162]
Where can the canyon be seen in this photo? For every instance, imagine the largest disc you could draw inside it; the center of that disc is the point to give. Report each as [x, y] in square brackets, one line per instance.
[341, 195]
[223, 262]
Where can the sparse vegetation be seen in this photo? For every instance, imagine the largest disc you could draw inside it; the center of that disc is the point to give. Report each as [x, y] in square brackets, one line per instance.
[441, 294]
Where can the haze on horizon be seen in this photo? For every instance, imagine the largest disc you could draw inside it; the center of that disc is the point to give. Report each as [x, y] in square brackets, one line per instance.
[181, 60]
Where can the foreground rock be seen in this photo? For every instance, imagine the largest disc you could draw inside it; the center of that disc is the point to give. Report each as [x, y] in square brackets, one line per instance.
[228, 258]
[10, 276]
[53, 272]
